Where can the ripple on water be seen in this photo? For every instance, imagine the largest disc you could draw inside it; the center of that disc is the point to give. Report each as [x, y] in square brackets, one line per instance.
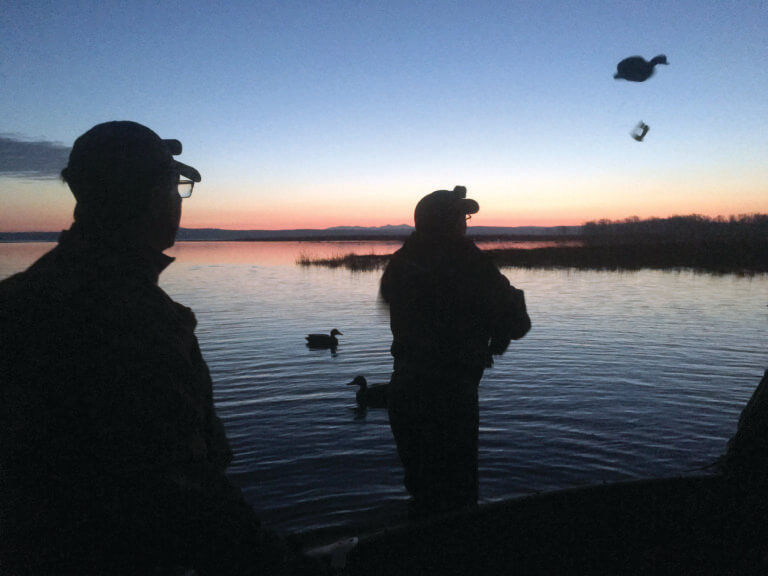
[623, 376]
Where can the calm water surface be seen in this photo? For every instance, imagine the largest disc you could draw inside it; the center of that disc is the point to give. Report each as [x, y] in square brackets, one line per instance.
[623, 376]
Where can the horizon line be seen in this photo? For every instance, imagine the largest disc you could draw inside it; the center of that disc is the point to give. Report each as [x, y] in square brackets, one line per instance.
[387, 227]
[329, 228]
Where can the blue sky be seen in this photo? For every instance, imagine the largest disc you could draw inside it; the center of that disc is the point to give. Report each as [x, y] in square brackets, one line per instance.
[314, 114]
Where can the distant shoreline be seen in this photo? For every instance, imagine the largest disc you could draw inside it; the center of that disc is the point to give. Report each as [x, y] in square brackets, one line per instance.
[717, 257]
[187, 235]
[738, 244]
[712, 256]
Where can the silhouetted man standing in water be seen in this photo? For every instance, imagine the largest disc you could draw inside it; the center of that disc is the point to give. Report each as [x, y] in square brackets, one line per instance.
[450, 311]
[112, 458]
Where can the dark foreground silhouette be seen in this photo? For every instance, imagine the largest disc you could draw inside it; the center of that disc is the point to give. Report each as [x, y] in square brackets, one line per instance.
[696, 525]
[451, 311]
[112, 458]
[714, 524]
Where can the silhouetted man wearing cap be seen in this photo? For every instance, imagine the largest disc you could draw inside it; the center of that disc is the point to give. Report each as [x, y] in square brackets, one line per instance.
[451, 310]
[112, 458]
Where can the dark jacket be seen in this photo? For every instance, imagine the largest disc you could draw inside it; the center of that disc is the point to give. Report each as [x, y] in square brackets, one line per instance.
[101, 369]
[450, 307]
[108, 434]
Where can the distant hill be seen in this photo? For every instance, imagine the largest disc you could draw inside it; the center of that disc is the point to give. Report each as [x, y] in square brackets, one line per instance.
[29, 236]
[388, 232]
[334, 233]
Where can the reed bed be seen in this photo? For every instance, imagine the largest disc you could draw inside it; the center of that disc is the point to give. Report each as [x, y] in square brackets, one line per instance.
[353, 262]
[726, 257]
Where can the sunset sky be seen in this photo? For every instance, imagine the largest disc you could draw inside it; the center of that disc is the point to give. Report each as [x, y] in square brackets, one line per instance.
[330, 113]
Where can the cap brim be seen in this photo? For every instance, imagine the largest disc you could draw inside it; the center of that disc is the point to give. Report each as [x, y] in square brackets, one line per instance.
[191, 173]
[174, 147]
[469, 206]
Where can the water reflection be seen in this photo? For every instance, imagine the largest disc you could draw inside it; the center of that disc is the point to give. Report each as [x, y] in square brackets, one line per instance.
[18, 256]
[15, 257]
[625, 375]
[271, 253]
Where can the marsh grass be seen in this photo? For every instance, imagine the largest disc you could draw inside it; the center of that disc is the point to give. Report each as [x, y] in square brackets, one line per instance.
[719, 257]
[353, 262]
[726, 257]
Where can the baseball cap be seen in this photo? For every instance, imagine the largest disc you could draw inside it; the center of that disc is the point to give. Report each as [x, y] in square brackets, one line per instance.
[441, 208]
[124, 148]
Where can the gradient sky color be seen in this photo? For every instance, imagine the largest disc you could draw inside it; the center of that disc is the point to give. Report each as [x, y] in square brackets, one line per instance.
[328, 113]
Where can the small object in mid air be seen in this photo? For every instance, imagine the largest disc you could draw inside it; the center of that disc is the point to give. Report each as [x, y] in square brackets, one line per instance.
[640, 131]
[324, 341]
[637, 68]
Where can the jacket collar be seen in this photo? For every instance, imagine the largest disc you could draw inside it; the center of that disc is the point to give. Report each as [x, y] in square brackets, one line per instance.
[131, 257]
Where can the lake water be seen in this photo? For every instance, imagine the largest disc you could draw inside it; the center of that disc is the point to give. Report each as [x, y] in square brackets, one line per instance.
[623, 376]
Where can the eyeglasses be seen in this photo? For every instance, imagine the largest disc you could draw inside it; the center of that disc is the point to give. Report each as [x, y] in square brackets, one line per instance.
[185, 187]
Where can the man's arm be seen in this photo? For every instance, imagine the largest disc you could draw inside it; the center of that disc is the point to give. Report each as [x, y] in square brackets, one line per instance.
[509, 316]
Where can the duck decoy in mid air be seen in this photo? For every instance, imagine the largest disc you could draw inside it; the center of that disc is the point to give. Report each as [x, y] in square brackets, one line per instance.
[324, 340]
[637, 68]
[370, 396]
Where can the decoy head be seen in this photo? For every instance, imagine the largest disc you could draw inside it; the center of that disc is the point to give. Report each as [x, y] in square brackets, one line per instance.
[335, 332]
[660, 59]
[359, 381]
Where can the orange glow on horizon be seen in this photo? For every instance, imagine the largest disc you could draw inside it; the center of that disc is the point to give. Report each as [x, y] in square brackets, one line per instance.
[36, 207]
[292, 221]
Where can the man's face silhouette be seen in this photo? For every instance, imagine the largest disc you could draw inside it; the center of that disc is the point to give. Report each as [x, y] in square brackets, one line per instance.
[165, 212]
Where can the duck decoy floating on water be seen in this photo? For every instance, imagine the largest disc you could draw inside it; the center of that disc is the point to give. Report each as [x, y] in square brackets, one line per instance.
[640, 131]
[324, 340]
[637, 68]
[374, 396]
